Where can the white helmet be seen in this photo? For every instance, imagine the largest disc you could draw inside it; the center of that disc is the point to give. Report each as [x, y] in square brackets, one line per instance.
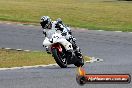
[45, 21]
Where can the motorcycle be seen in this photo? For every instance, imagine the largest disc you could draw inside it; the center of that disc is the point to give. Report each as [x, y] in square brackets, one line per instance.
[59, 48]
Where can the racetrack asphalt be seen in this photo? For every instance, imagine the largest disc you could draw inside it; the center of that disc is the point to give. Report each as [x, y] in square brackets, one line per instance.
[115, 48]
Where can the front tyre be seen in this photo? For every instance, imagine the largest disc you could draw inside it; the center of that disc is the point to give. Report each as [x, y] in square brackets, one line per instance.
[59, 58]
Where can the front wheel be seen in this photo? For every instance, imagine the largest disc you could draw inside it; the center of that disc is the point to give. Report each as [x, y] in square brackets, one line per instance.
[59, 58]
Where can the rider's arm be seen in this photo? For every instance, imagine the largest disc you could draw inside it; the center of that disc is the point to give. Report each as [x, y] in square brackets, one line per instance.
[44, 32]
[66, 29]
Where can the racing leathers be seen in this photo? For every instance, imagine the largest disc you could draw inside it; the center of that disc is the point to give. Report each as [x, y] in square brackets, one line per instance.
[65, 31]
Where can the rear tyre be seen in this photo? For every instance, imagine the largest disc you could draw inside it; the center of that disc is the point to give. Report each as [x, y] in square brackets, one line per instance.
[60, 59]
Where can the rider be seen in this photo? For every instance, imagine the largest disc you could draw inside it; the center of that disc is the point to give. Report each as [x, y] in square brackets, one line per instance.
[47, 24]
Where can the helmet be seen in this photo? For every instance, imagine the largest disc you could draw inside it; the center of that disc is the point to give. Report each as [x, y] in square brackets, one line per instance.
[45, 21]
[59, 20]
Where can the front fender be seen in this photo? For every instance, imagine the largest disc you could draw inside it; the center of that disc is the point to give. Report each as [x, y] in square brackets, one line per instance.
[67, 45]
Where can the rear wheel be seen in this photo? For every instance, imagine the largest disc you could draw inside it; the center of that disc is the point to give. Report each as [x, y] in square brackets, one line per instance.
[59, 58]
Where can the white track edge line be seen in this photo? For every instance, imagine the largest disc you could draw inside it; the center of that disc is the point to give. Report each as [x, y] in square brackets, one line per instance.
[35, 66]
[117, 31]
[7, 48]
[23, 67]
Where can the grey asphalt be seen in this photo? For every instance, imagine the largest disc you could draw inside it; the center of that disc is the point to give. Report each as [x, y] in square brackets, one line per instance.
[113, 47]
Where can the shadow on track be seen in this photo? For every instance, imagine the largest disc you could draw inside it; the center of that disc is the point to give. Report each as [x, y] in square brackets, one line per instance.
[57, 67]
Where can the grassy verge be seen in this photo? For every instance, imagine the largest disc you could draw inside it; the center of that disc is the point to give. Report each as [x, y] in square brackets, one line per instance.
[93, 14]
[12, 58]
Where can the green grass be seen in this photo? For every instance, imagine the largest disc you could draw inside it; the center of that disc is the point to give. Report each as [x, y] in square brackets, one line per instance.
[91, 14]
[13, 58]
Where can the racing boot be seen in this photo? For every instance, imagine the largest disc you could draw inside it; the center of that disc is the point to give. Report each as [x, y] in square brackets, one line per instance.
[77, 51]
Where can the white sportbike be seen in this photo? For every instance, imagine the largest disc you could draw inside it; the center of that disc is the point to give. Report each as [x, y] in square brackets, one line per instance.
[59, 48]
